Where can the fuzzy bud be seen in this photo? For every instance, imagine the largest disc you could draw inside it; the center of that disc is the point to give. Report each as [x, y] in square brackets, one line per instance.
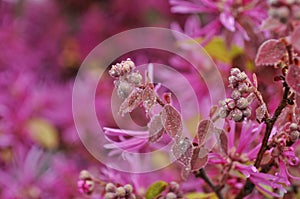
[86, 186]
[242, 103]
[294, 135]
[124, 89]
[135, 78]
[242, 76]
[84, 174]
[230, 103]
[128, 188]
[243, 88]
[171, 195]
[293, 126]
[121, 192]
[174, 186]
[110, 187]
[235, 71]
[110, 195]
[236, 115]
[236, 94]
[223, 112]
[247, 112]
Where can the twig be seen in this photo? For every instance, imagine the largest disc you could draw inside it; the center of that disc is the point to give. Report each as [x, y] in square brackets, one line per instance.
[249, 186]
[202, 174]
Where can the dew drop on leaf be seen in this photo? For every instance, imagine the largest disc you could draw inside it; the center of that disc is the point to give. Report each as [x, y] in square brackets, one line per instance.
[131, 102]
[204, 128]
[293, 78]
[156, 128]
[183, 151]
[171, 120]
[270, 53]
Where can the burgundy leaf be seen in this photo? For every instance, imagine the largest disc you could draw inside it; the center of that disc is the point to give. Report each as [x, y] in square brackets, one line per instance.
[213, 111]
[204, 128]
[293, 78]
[196, 161]
[295, 39]
[183, 151]
[185, 173]
[149, 98]
[270, 53]
[131, 102]
[223, 140]
[171, 120]
[260, 112]
[156, 128]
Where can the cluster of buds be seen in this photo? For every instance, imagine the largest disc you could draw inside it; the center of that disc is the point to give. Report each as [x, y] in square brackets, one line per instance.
[284, 10]
[121, 192]
[173, 192]
[85, 183]
[122, 68]
[237, 107]
[126, 77]
[281, 143]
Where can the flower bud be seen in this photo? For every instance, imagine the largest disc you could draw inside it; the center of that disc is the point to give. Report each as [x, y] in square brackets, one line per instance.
[135, 78]
[236, 115]
[84, 174]
[124, 89]
[110, 187]
[241, 76]
[243, 88]
[236, 94]
[294, 135]
[247, 112]
[128, 188]
[230, 103]
[120, 192]
[293, 126]
[171, 195]
[223, 112]
[174, 186]
[242, 103]
[235, 71]
[86, 186]
[110, 195]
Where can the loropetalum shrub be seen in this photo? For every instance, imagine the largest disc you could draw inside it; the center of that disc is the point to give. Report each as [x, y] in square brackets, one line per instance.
[256, 149]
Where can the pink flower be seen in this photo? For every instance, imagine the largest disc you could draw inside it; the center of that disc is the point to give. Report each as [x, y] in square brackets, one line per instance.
[130, 141]
[231, 16]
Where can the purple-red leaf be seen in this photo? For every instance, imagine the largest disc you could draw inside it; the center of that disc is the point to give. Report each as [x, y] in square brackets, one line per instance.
[156, 128]
[223, 140]
[204, 128]
[213, 111]
[171, 120]
[293, 78]
[149, 98]
[295, 39]
[260, 112]
[196, 161]
[185, 173]
[131, 102]
[270, 53]
[183, 151]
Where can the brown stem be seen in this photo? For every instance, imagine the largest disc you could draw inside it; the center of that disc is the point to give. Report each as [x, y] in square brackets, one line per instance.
[202, 174]
[249, 186]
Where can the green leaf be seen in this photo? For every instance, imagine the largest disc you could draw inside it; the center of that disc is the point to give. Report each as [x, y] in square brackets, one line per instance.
[156, 189]
[197, 195]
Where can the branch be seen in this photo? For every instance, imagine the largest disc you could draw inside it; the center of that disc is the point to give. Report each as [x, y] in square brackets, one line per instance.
[249, 186]
[202, 174]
